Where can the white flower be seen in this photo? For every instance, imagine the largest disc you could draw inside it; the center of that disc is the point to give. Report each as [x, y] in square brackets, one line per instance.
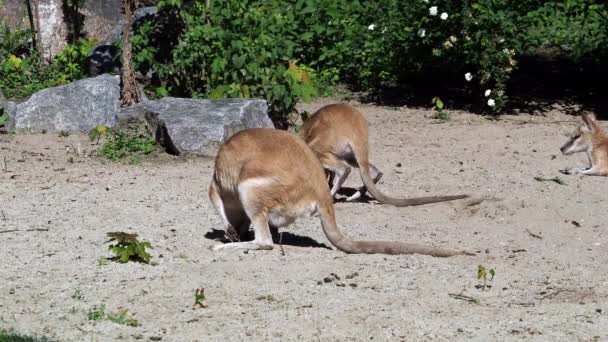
[426, 1]
[422, 32]
[443, 16]
[491, 103]
[501, 40]
[433, 11]
[488, 92]
[371, 27]
[468, 76]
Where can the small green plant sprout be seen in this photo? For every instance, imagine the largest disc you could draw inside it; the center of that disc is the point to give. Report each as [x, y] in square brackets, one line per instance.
[96, 313]
[199, 298]
[127, 247]
[122, 317]
[77, 295]
[102, 261]
[438, 108]
[95, 134]
[482, 273]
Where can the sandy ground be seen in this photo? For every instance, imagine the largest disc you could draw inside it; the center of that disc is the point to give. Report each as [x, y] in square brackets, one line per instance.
[546, 241]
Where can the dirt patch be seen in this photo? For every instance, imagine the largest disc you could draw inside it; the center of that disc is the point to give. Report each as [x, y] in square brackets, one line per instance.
[551, 282]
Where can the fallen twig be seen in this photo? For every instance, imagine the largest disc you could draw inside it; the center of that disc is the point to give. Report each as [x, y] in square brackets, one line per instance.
[3, 216]
[554, 179]
[464, 297]
[533, 235]
[26, 230]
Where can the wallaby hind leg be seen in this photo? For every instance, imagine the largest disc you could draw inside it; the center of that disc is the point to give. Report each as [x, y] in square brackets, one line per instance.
[375, 174]
[341, 173]
[337, 170]
[262, 240]
[230, 216]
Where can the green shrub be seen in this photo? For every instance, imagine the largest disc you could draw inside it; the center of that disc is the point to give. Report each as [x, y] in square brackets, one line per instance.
[121, 144]
[245, 48]
[22, 73]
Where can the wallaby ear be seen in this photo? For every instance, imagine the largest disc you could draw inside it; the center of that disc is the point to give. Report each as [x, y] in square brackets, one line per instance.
[589, 120]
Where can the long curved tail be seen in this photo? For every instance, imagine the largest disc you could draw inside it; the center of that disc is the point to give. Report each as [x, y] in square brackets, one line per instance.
[346, 244]
[363, 162]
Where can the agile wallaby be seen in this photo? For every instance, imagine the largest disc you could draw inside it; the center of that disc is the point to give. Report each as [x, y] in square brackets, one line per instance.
[338, 135]
[588, 137]
[268, 177]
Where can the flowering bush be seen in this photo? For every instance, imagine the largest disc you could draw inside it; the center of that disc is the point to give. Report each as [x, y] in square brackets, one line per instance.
[278, 49]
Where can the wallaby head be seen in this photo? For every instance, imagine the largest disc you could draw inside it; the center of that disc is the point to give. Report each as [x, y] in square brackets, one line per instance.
[581, 140]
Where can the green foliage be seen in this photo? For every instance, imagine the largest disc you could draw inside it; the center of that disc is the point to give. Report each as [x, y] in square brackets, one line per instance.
[482, 274]
[96, 133]
[22, 73]
[3, 117]
[127, 247]
[122, 317]
[239, 48]
[121, 144]
[11, 336]
[98, 313]
[72, 61]
[573, 27]
[438, 108]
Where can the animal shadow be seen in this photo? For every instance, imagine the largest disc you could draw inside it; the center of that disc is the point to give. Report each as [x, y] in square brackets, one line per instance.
[288, 239]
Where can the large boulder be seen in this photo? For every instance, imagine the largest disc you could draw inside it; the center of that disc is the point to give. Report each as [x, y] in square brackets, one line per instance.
[76, 106]
[201, 126]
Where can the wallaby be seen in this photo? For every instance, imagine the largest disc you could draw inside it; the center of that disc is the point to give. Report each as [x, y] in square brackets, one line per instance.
[588, 137]
[338, 135]
[268, 177]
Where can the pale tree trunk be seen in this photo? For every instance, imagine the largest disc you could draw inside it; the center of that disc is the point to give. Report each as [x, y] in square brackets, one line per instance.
[129, 92]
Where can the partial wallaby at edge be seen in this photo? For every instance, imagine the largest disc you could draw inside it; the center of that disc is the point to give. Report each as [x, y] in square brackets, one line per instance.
[338, 135]
[588, 137]
[267, 177]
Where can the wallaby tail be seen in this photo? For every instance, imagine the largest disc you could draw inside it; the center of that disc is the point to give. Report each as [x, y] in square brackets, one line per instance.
[344, 243]
[363, 162]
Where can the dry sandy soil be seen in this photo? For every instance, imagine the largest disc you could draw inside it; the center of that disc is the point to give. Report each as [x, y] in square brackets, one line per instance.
[546, 241]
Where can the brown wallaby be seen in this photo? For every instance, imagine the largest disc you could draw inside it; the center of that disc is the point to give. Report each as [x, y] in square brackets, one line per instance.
[338, 135]
[588, 137]
[267, 177]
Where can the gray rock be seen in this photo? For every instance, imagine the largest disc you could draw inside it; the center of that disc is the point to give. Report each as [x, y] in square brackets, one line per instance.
[76, 106]
[201, 126]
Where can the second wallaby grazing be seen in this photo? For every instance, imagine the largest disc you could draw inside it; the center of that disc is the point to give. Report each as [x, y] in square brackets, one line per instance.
[588, 137]
[265, 177]
[338, 135]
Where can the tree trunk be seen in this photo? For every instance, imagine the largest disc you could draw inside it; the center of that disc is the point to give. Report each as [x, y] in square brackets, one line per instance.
[129, 93]
[35, 27]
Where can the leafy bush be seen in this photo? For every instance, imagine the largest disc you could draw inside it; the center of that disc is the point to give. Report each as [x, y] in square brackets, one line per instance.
[22, 73]
[247, 48]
